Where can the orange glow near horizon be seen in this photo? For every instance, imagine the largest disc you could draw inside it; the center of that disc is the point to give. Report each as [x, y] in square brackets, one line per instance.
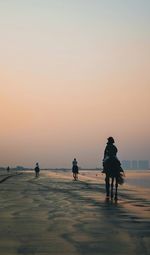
[63, 92]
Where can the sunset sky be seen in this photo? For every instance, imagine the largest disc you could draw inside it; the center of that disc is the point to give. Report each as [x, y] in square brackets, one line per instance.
[72, 73]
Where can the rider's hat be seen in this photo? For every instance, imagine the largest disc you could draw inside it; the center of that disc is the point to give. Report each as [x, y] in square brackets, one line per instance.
[110, 139]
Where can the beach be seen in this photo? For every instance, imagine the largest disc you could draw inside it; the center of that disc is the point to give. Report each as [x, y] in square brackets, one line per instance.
[55, 215]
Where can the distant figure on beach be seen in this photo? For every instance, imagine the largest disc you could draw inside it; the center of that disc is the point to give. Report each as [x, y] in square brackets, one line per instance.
[37, 170]
[75, 169]
[8, 169]
[112, 168]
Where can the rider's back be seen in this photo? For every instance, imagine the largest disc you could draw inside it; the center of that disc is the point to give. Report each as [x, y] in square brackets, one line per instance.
[110, 150]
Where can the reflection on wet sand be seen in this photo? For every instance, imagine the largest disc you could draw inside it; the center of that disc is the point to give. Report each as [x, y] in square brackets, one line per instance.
[53, 214]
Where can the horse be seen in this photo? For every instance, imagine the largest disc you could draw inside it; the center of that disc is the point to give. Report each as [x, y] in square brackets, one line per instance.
[75, 172]
[37, 170]
[113, 171]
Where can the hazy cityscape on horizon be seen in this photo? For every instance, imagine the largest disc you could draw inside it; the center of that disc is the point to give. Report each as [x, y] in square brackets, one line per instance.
[135, 164]
[126, 165]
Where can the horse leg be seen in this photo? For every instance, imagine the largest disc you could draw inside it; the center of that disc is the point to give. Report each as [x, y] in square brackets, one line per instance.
[112, 186]
[107, 185]
[74, 176]
[116, 189]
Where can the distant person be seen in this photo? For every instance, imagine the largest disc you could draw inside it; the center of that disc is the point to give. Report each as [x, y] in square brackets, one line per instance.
[112, 167]
[75, 169]
[37, 170]
[8, 169]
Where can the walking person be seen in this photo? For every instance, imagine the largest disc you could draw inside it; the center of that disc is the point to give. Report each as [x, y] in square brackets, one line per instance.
[37, 170]
[75, 169]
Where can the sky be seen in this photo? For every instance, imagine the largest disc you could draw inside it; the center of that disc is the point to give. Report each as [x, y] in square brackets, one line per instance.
[73, 73]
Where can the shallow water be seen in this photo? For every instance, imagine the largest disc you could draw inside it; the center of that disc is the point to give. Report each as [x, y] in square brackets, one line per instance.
[138, 178]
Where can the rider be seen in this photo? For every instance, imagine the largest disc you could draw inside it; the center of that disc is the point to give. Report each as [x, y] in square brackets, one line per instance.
[109, 152]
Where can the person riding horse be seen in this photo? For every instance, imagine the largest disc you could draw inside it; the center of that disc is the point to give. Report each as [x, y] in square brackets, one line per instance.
[111, 167]
[75, 169]
[37, 170]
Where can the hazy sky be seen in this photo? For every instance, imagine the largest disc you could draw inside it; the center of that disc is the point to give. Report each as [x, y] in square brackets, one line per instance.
[72, 73]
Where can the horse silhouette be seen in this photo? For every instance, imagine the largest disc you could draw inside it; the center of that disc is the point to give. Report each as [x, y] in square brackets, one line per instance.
[114, 174]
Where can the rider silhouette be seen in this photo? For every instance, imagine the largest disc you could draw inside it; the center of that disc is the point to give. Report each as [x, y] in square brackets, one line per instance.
[111, 149]
[109, 152]
[110, 159]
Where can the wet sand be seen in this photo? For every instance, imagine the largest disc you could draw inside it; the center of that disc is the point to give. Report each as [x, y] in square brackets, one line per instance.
[54, 215]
